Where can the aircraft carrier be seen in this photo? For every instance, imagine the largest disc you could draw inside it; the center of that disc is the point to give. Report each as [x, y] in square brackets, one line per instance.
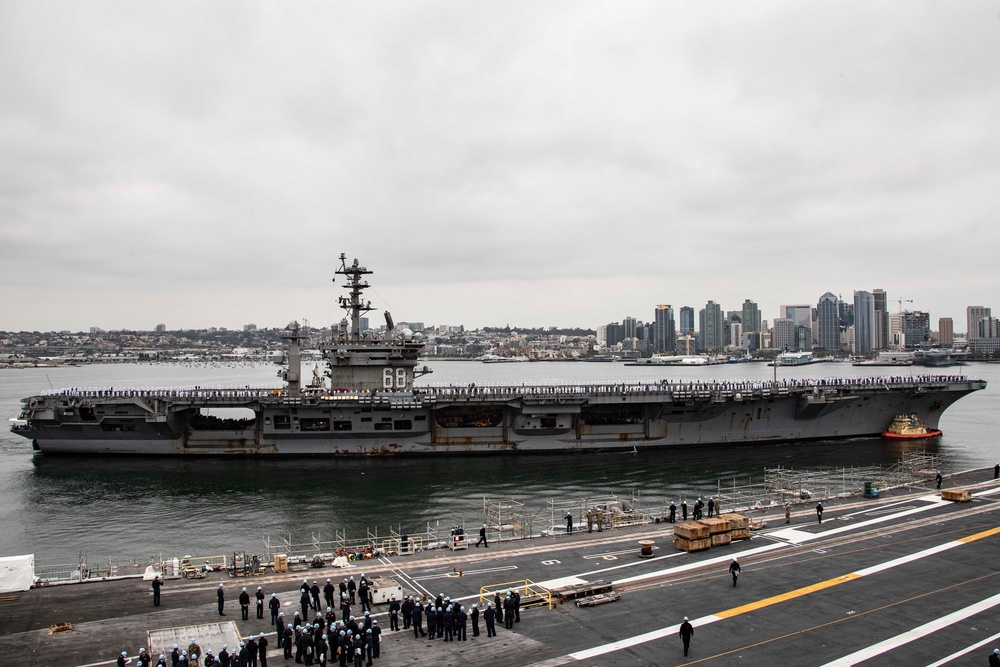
[365, 404]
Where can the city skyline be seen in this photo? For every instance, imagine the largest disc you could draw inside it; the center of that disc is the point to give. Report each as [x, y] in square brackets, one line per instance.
[553, 164]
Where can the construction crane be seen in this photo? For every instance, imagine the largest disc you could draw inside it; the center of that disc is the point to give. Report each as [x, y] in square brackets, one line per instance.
[902, 301]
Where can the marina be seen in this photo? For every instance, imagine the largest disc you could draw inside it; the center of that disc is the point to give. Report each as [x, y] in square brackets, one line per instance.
[905, 578]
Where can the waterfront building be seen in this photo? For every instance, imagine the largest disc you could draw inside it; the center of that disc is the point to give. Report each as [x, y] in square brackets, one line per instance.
[784, 334]
[915, 328]
[687, 320]
[946, 331]
[711, 327]
[989, 327]
[750, 317]
[664, 337]
[881, 319]
[864, 322]
[629, 327]
[160, 328]
[973, 315]
[828, 319]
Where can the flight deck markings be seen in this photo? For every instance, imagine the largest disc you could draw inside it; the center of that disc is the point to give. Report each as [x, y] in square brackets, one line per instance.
[628, 642]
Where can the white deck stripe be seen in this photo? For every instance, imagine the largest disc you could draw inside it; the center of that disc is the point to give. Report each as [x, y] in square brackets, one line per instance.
[915, 634]
[958, 654]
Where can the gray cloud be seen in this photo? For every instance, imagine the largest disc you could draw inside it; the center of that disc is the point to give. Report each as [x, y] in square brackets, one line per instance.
[565, 163]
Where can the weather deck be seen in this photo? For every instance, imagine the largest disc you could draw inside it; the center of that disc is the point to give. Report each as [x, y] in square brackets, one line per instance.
[907, 578]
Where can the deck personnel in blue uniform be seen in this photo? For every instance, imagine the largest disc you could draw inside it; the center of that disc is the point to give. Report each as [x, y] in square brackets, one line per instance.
[416, 617]
[394, 607]
[245, 604]
[274, 604]
[474, 616]
[260, 602]
[328, 593]
[157, 582]
[221, 595]
[489, 616]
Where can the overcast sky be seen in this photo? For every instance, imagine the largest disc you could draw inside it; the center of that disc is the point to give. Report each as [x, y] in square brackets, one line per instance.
[533, 163]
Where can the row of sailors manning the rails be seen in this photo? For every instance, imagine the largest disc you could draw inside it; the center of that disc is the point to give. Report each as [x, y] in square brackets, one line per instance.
[473, 389]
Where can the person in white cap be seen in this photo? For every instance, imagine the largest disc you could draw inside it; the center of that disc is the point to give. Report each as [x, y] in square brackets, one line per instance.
[175, 656]
[482, 537]
[262, 649]
[995, 658]
[194, 651]
[687, 631]
[260, 601]
[123, 659]
[734, 569]
[222, 600]
[274, 604]
[245, 604]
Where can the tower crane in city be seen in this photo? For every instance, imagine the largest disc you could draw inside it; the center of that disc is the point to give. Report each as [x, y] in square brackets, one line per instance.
[902, 301]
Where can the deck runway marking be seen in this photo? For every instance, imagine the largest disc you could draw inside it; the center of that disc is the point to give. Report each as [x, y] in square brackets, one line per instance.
[445, 575]
[958, 654]
[915, 634]
[783, 597]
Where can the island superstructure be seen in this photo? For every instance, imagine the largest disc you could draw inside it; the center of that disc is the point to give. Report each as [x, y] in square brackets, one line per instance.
[365, 404]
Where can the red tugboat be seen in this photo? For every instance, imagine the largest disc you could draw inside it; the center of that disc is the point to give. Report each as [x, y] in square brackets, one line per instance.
[909, 427]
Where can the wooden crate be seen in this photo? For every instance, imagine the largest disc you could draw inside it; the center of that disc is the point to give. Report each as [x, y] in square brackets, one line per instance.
[692, 545]
[691, 531]
[736, 521]
[721, 539]
[957, 495]
[716, 525]
[740, 533]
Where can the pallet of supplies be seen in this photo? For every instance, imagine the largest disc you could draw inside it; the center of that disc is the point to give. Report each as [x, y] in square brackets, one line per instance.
[740, 533]
[721, 539]
[692, 545]
[956, 495]
[716, 526]
[736, 521]
[691, 531]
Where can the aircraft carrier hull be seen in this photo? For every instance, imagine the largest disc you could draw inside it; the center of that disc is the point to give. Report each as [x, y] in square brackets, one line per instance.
[477, 420]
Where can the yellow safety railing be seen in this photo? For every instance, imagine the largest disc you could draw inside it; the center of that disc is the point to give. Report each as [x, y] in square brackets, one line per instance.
[629, 519]
[200, 562]
[532, 594]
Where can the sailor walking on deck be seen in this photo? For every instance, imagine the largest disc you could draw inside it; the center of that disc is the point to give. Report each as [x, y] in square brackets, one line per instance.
[686, 632]
[734, 569]
[482, 537]
[819, 512]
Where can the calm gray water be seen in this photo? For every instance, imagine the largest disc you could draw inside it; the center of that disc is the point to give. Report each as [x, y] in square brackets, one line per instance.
[58, 507]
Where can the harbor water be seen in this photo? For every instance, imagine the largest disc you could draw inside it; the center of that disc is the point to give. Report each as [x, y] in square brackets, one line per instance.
[60, 507]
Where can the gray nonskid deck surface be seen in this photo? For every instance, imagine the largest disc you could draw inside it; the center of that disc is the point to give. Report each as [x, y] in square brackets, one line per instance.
[822, 624]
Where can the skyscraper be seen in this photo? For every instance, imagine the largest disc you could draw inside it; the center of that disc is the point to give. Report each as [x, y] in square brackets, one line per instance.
[881, 319]
[784, 334]
[712, 327]
[946, 331]
[973, 314]
[828, 315]
[664, 339]
[687, 320]
[864, 322]
[751, 317]
[915, 327]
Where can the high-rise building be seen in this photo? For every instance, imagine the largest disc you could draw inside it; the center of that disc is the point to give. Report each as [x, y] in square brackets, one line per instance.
[973, 314]
[828, 317]
[946, 331]
[915, 327]
[629, 324]
[664, 338]
[989, 327]
[712, 327]
[864, 322]
[160, 328]
[881, 319]
[687, 320]
[801, 314]
[750, 317]
[784, 334]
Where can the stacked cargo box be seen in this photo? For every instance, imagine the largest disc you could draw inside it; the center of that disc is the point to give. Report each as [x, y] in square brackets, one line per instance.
[740, 526]
[714, 532]
[692, 537]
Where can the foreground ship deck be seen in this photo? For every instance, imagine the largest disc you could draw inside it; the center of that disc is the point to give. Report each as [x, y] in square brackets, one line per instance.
[366, 404]
[904, 579]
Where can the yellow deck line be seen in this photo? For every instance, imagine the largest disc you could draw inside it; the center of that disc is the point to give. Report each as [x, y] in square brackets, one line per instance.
[798, 592]
[979, 536]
